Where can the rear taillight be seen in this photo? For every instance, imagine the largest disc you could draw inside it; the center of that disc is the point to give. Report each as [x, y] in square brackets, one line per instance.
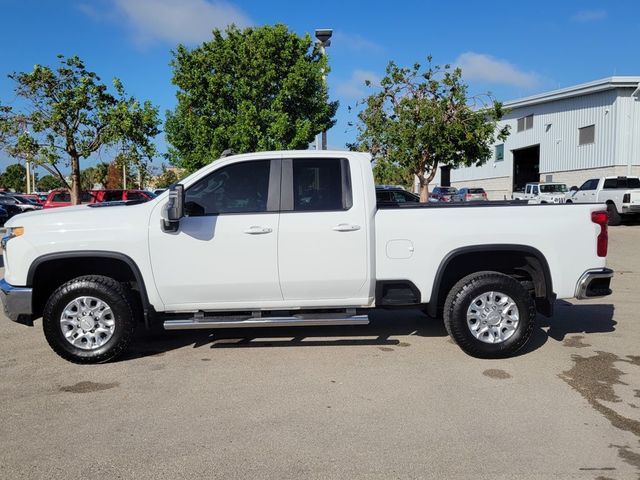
[626, 198]
[468, 195]
[484, 195]
[602, 242]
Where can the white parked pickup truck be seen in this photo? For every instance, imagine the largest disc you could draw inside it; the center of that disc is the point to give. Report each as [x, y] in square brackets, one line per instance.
[542, 193]
[620, 194]
[295, 238]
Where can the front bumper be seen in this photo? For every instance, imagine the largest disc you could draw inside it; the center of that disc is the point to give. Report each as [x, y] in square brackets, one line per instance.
[594, 283]
[16, 302]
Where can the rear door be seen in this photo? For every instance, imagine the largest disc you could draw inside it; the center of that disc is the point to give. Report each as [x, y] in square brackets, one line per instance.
[322, 244]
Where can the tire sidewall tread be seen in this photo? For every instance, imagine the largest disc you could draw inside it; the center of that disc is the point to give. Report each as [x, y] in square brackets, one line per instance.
[118, 298]
[459, 299]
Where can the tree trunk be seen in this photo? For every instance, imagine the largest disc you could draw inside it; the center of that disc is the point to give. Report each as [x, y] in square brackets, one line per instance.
[424, 189]
[75, 181]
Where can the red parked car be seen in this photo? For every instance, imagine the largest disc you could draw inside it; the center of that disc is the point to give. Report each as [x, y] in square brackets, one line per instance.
[62, 198]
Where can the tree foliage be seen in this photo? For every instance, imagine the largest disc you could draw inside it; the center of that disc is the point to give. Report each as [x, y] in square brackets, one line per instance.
[67, 114]
[166, 178]
[49, 182]
[247, 90]
[14, 178]
[422, 118]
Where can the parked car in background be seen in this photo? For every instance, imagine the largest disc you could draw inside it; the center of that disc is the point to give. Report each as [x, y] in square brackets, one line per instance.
[158, 191]
[4, 216]
[394, 194]
[472, 194]
[26, 202]
[445, 194]
[10, 205]
[22, 203]
[62, 198]
[34, 197]
[536, 192]
[621, 194]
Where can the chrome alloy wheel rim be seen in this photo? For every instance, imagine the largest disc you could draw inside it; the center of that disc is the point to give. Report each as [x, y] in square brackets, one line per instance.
[493, 317]
[87, 322]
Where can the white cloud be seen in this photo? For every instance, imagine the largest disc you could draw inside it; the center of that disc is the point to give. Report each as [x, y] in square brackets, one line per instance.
[171, 21]
[355, 42]
[355, 86]
[483, 67]
[589, 16]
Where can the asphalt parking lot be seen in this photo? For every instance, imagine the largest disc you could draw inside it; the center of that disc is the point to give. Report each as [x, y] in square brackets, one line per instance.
[395, 399]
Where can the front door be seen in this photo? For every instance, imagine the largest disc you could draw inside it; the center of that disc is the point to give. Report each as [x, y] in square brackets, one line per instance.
[587, 192]
[224, 254]
[322, 242]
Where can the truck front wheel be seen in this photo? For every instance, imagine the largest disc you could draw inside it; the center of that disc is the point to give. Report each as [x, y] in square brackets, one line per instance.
[489, 315]
[89, 319]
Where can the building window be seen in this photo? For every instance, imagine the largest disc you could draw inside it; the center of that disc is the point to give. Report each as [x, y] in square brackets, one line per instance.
[525, 123]
[500, 152]
[587, 135]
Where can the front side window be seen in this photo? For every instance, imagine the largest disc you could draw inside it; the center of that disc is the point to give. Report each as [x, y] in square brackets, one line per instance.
[321, 185]
[590, 184]
[237, 188]
[535, 190]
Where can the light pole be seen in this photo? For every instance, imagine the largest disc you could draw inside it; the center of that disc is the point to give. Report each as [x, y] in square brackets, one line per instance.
[324, 40]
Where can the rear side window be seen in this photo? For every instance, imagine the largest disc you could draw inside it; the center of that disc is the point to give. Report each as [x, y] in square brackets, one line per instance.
[112, 196]
[321, 185]
[238, 188]
[61, 197]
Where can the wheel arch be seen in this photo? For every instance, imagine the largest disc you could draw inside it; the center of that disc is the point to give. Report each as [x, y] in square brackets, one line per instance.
[495, 257]
[83, 262]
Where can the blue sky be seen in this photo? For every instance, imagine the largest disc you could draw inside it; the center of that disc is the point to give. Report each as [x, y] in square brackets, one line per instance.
[509, 48]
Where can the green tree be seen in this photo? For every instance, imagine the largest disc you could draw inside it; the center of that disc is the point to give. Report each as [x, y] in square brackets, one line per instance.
[49, 182]
[14, 178]
[256, 89]
[166, 178]
[423, 118]
[69, 114]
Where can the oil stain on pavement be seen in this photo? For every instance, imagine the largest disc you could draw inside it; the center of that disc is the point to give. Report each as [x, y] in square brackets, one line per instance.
[575, 342]
[496, 373]
[594, 379]
[88, 387]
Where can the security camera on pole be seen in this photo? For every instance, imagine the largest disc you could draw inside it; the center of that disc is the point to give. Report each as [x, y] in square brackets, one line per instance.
[324, 40]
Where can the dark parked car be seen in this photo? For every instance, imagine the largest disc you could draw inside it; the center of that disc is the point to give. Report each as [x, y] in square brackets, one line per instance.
[445, 194]
[392, 194]
[10, 205]
[4, 216]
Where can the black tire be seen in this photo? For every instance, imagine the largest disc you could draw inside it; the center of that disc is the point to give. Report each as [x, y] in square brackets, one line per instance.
[615, 218]
[106, 289]
[569, 201]
[460, 297]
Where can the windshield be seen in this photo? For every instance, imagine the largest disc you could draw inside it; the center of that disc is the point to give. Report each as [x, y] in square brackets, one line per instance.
[553, 188]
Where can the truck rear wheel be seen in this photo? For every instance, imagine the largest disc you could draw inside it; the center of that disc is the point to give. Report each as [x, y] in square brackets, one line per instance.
[489, 315]
[89, 319]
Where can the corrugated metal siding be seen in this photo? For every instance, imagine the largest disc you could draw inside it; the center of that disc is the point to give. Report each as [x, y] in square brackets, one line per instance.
[555, 129]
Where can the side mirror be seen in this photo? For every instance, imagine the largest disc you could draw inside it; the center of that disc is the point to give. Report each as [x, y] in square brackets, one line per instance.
[573, 189]
[173, 210]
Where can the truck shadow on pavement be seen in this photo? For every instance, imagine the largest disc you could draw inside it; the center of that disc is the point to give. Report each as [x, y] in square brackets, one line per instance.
[385, 326]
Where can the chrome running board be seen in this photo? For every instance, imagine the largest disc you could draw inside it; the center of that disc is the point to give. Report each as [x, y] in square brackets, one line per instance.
[249, 322]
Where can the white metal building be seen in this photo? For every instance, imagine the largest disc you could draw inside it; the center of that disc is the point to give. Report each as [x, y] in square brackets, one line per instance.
[567, 135]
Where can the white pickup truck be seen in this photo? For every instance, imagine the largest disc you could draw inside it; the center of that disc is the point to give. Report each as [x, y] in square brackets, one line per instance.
[542, 193]
[620, 194]
[295, 238]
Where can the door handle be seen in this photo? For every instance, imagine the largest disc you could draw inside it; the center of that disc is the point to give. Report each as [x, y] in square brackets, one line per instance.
[346, 227]
[258, 230]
